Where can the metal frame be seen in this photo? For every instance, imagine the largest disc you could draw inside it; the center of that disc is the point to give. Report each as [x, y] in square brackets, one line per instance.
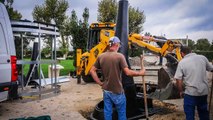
[37, 30]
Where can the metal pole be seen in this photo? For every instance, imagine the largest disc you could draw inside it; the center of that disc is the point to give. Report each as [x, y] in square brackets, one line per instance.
[144, 91]
[51, 67]
[55, 60]
[39, 59]
[22, 79]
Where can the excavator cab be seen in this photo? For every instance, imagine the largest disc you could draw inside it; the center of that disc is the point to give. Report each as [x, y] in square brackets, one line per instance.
[94, 33]
[96, 44]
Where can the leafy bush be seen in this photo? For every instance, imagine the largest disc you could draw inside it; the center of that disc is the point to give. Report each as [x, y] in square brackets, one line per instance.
[207, 54]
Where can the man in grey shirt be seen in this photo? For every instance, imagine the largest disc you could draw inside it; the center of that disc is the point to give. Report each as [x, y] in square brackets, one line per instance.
[191, 72]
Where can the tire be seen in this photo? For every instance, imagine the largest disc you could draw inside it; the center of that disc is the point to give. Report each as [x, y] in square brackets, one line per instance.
[87, 78]
[98, 113]
[13, 92]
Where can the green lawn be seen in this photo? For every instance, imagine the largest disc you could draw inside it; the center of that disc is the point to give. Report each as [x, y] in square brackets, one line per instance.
[67, 64]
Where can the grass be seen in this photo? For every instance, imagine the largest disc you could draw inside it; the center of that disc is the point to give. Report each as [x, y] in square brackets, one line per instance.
[67, 64]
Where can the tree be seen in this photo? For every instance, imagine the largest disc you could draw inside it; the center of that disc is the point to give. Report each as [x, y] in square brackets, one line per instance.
[211, 47]
[53, 11]
[74, 29]
[203, 47]
[13, 14]
[40, 15]
[203, 44]
[79, 31]
[107, 12]
[84, 28]
[191, 44]
[136, 20]
[85, 15]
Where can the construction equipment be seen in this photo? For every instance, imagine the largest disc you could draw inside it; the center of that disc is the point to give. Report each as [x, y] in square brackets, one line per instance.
[99, 34]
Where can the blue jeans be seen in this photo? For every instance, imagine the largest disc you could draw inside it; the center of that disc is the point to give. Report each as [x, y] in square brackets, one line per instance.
[120, 103]
[190, 102]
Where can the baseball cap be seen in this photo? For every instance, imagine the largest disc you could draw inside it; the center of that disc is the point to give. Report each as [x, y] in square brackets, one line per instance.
[114, 40]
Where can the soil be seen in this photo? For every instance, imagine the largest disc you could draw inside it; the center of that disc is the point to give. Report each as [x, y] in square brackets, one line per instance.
[73, 100]
[76, 102]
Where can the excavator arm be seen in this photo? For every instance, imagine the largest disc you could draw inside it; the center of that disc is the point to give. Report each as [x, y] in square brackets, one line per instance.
[167, 48]
[140, 41]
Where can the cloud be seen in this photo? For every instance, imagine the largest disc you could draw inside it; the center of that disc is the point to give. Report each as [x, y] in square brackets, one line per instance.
[182, 18]
[201, 34]
[174, 18]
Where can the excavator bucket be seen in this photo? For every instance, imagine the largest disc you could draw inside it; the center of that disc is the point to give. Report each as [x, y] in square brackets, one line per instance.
[166, 88]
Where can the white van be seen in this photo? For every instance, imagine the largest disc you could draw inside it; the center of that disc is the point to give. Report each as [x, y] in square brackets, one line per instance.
[8, 70]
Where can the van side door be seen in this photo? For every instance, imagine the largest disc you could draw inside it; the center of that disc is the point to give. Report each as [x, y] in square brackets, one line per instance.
[5, 66]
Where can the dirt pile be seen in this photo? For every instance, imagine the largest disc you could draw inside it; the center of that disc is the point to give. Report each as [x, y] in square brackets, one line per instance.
[136, 61]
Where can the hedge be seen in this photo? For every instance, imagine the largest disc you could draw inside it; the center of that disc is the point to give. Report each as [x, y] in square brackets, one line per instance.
[207, 54]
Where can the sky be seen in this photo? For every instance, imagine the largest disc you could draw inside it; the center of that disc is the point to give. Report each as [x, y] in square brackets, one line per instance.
[173, 19]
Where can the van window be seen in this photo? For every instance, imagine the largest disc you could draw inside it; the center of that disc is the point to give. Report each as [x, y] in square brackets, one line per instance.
[3, 49]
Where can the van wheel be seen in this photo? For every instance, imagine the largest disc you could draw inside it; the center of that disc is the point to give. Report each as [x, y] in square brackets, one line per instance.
[13, 93]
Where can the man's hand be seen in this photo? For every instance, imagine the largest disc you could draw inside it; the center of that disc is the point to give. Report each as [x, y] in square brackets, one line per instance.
[130, 72]
[181, 94]
[95, 76]
[142, 72]
[142, 57]
[101, 83]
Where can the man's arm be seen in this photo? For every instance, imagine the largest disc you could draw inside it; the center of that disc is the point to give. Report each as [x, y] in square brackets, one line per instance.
[209, 66]
[179, 79]
[95, 76]
[130, 72]
[179, 84]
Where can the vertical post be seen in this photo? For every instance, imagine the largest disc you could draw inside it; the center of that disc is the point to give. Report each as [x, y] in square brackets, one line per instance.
[39, 59]
[51, 67]
[55, 60]
[161, 60]
[144, 91]
[22, 79]
[78, 70]
[122, 31]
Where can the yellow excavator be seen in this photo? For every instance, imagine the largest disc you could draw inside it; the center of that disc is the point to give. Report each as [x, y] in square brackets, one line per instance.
[99, 34]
